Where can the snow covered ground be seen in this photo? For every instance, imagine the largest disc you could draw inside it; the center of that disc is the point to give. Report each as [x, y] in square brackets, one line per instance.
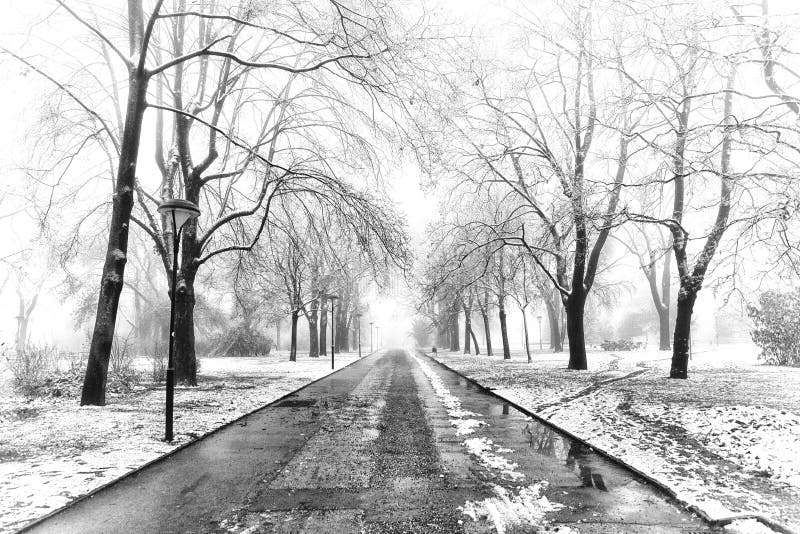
[53, 451]
[726, 440]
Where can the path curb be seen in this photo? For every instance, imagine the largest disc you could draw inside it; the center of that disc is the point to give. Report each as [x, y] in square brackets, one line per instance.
[718, 522]
[179, 448]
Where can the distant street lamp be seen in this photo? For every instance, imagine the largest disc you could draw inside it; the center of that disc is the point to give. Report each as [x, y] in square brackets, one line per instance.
[371, 349]
[358, 327]
[378, 336]
[178, 211]
[539, 318]
[333, 299]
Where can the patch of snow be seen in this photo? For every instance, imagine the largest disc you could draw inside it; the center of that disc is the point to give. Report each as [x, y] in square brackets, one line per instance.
[748, 526]
[507, 510]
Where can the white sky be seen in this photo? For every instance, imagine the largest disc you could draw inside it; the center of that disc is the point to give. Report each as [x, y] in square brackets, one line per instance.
[21, 95]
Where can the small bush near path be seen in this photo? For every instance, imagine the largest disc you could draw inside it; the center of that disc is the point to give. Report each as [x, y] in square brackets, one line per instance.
[31, 365]
[776, 330]
[621, 344]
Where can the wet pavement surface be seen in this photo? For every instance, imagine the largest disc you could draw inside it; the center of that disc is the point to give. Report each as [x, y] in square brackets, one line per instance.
[393, 443]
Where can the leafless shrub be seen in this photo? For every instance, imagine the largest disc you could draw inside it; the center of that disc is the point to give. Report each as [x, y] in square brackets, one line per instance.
[158, 362]
[120, 363]
[30, 366]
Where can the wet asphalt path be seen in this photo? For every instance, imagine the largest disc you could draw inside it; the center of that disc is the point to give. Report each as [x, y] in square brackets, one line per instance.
[393, 443]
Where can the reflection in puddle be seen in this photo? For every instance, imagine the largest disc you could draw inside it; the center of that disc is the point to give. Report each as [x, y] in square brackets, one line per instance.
[544, 440]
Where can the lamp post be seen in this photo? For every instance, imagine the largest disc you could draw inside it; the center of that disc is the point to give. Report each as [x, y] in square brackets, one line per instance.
[358, 329]
[378, 337]
[371, 349]
[539, 318]
[178, 211]
[333, 299]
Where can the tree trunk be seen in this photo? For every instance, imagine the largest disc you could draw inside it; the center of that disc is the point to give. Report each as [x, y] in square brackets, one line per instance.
[475, 341]
[576, 303]
[467, 328]
[504, 328]
[112, 279]
[525, 328]
[454, 341]
[554, 321]
[663, 329]
[323, 326]
[278, 335]
[683, 334]
[293, 345]
[313, 335]
[185, 357]
[487, 332]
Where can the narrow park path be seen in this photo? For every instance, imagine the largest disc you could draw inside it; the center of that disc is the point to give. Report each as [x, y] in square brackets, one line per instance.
[393, 443]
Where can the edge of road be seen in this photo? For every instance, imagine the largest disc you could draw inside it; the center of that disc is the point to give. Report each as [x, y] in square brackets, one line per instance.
[179, 448]
[718, 522]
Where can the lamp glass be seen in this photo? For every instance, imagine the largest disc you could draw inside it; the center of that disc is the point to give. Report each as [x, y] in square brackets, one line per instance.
[181, 210]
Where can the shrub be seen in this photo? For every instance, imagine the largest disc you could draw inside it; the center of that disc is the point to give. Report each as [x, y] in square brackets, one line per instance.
[158, 362]
[31, 365]
[243, 341]
[621, 344]
[776, 330]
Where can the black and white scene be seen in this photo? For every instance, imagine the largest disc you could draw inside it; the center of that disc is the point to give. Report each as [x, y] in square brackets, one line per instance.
[400, 266]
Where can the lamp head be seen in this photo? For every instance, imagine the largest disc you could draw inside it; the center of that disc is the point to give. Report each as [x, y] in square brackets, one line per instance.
[179, 211]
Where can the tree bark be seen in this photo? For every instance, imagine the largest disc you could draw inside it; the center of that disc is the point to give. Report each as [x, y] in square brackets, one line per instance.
[683, 334]
[313, 335]
[525, 327]
[112, 279]
[575, 305]
[487, 332]
[293, 346]
[454, 340]
[185, 357]
[504, 328]
[467, 329]
[552, 305]
[323, 326]
[278, 335]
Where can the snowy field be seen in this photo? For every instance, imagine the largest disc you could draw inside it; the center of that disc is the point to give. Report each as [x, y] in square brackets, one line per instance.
[53, 451]
[726, 440]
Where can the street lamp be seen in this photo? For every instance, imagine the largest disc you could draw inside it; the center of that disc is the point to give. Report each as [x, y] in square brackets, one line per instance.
[539, 318]
[371, 349]
[378, 336]
[358, 327]
[333, 299]
[179, 211]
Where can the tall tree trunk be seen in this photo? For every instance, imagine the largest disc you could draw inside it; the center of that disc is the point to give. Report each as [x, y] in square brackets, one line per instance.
[455, 343]
[112, 279]
[293, 345]
[683, 334]
[576, 302]
[185, 357]
[277, 334]
[525, 327]
[474, 341]
[504, 328]
[313, 337]
[323, 326]
[666, 294]
[467, 328]
[554, 322]
[487, 331]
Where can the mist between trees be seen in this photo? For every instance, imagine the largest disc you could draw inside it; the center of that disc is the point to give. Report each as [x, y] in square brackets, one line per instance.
[582, 133]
